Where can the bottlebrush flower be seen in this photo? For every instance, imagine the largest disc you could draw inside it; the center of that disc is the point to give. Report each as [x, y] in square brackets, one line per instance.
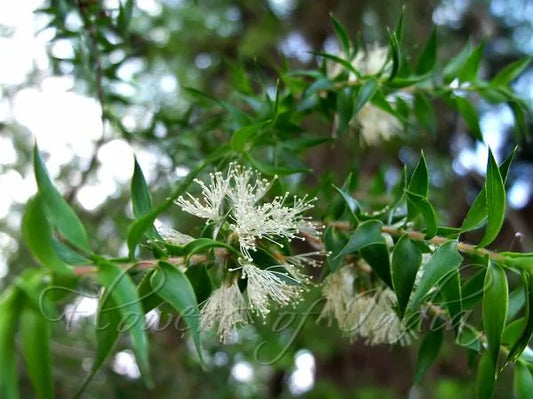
[224, 309]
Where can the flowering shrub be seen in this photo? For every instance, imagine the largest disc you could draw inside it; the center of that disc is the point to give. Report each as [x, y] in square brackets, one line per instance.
[386, 272]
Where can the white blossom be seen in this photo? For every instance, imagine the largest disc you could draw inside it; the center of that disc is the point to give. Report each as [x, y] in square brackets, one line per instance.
[270, 220]
[265, 286]
[296, 264]
[224, 309]
[338, 290]
[211, 207]
[373, 318]
[376, 125]
[372, 61]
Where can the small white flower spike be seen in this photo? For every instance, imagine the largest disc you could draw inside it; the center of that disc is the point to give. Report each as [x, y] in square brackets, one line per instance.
[376, 125]
[213, 198]
[265, 286]
[225, 309]
[338, 291]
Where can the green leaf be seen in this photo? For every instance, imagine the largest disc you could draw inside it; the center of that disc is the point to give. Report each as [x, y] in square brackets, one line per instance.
[495, 299]
[427, 211]
[445, 260]
[495, 197]
[419, 182]
[139, 226]
[345, 108]
[124, 293]
[203, 244]
[200, 281]
[175, 288]
[351, 204]
[468, 70]
[429, 350]
[368, 232]
[428, 57]
[406, 260]
[140, 195]
[451, 293]
[241, 136]
[394, 49]
[452, 69]
[377, 257]
[424, 112]
[523, 382]
[365, 93]
[57, 211]
[477, 214]
[470, 116]
[346, 64]
[108, 329]
[527, 332]
[341, 35]
[9, 315]
[38, 236]
[269, 169]
[334, 242]
[36, 337]
[486, 376]
[510, 72]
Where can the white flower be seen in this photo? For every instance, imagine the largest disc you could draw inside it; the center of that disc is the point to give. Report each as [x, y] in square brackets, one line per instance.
[265, 286]
[213, 198]
[368, 62]
[226, 309]
[296, 264]
[374, 319]
[338, 290]
[376, 125]
[371, 61]
[251, 221]
[270, 220]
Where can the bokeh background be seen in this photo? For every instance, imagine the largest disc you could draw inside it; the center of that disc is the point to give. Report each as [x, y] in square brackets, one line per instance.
[51, 92]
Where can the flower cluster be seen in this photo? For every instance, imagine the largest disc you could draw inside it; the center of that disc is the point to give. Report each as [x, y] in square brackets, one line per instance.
[249, 220]
[232, 201]
[370, 315]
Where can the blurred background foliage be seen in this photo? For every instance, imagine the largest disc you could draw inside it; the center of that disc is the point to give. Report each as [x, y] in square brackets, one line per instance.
[64, 60]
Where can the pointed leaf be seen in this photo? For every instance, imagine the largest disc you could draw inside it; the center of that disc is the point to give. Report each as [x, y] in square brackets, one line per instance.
[495, 197]
[428, 351]
[510, 72]
[495, 300]
[175, 288]
[10, 309]
[377, 257]
[57, 211]
[445, 260]
[36, 336]
[341, 35]
[486, 376]
[140, 195]
[477, 214]
[365, 94]
[406, 260]
[523, 382]
[419, 182]
[470, 116]
[368, 232]
[424, 207]
[124, 293]
[527, 330]
[428, 57]
[38, 236]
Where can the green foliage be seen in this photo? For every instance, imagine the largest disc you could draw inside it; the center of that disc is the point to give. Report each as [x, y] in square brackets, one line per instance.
[395, 240]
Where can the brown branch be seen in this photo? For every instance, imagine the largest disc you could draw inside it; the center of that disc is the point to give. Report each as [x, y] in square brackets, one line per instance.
[463, 247]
